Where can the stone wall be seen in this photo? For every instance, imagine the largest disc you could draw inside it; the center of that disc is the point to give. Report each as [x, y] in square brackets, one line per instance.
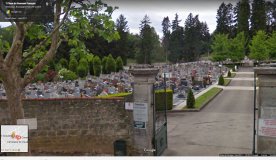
[76, 126]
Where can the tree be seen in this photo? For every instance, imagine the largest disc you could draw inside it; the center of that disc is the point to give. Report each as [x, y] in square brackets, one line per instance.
[175, 23]
[220, 47]
[271, 45]
[119, 64]
[104, 60]
[258, 17]
[270, 16]
[73, 64]
[258, 47]
[110, 64]
[147, 41]
[97, 66]
[192, 40]
[83, 68]
[243, 17]
[47, 45]
[176, 42]
[224, 19]
[190, 99]
[237, 47]
[121, 47]
[166, 34]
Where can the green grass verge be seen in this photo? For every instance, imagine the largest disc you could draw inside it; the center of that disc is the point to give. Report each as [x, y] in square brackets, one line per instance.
[205, 98]
[233, 75]
[226, 82]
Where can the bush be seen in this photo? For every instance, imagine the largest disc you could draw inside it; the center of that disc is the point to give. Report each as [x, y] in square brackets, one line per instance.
[119, 64]
[104, 60]
[190, 99]
[110, 64]
[82, 71]
[233, 69]
[63, 62]
[67, 74]
[40, 77]
[97, 66]
[73, 64]
[229, 74]
[221, 80]
[160, 100]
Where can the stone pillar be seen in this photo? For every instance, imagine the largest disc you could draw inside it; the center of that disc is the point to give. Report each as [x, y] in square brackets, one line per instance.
[144, 78]
[266, 114]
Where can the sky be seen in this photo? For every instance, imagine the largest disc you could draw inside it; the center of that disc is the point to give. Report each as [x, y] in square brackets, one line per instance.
[135, 10]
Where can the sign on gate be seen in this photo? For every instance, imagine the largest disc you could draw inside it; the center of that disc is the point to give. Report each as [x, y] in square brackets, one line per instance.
[267, 127]
[140, 112]
[139, 125]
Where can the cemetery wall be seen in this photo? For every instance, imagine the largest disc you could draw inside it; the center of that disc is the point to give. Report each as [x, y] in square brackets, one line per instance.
[76, 126]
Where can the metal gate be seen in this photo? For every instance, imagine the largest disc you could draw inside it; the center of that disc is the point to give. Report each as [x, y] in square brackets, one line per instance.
[160, 117]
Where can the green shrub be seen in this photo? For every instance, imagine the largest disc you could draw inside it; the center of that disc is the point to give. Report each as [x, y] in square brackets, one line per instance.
[63, 62]
[221, 80]
[104, 60]
[110, 64]
[97, 66]
[233, 69]
[160, 100]
[82, 71]
[40, 77]
[67, 74]
[119, 64]
[190, 99]
[73, 64]
[229, 74]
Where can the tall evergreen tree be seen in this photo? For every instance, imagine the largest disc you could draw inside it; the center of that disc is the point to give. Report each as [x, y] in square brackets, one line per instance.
[175, 23]
[243, 22]
[192, 38]
[166, 34]
[120, 46]
[224, 18]
[258, 18]
[147, 42]
[176, 41]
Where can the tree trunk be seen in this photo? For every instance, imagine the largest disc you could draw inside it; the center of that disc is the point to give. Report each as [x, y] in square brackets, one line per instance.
[13, 86]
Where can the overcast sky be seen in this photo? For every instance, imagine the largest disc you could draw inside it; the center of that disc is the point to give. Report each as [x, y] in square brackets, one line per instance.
[135, 10]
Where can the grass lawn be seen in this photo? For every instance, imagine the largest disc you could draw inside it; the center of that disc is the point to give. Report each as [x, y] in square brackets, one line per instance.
[226, 82]
[206, 97]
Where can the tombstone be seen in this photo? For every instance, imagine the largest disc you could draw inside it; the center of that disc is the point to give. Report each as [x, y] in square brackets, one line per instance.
[144, 78]
[266, 110]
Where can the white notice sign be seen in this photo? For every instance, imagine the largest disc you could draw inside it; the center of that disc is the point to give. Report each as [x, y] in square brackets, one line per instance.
[267, 127]
[31, 122]
[129, 106]
[140, 112]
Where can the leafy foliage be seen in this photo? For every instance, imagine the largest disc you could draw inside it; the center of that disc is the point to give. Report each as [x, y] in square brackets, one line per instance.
[119, 64]
[258, 47]
[97, 66]
[190, 99]
[221, 80]
[110, 64]
[66, 74]
[73, 64]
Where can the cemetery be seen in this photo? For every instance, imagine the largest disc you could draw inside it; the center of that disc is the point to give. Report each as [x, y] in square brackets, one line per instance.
[179, 78]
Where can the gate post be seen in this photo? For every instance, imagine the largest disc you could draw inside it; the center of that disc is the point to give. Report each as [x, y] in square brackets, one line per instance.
[266, 110]
[143, 109]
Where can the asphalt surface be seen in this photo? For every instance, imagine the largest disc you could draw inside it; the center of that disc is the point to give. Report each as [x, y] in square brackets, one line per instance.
[224, 126]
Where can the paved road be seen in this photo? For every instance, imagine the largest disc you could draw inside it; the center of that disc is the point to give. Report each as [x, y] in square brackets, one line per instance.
[224, 126]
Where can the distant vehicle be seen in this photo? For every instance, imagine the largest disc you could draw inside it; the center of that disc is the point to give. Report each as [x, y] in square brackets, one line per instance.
[196, 87]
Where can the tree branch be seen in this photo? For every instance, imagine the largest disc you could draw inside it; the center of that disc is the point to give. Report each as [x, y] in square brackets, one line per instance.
[51, 34]
[51, 52]
[16, 44]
